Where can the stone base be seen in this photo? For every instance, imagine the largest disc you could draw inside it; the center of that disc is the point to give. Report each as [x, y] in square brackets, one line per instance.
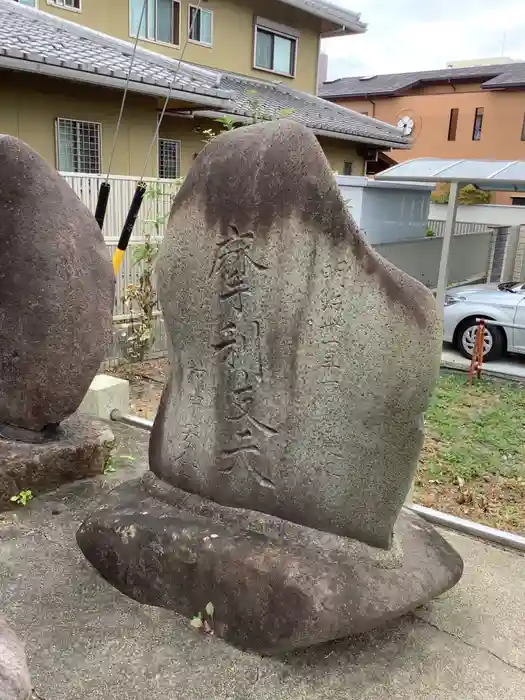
[274, 585]
[78, 449]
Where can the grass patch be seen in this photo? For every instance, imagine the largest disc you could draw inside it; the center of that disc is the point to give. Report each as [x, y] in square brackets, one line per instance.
[473, 459]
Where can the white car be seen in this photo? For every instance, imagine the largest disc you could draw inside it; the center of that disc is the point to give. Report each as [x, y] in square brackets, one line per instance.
[498, 302]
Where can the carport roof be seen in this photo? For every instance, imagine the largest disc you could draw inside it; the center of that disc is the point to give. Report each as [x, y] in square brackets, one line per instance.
[501, 175]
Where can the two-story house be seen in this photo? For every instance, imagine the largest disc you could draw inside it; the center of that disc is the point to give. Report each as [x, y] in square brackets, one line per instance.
[471, 111]
[64, 65]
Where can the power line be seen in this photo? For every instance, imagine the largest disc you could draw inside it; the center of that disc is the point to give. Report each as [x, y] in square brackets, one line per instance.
[166, 101]
[128, 78]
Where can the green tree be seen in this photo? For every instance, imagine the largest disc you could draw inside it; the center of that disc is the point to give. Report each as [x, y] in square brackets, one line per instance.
[469, 194]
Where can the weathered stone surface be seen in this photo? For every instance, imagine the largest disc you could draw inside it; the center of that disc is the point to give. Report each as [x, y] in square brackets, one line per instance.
[15, 683]
[302, 361]
[56, 292]
[79, 449]
[274, 585]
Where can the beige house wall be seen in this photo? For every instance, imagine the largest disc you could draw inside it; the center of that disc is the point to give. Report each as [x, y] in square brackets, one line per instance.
[30, 105]
[233, 34]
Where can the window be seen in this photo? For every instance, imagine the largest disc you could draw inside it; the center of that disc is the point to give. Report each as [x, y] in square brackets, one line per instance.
[200, 23]
[347, 167]
[29, 3]
[518, 201]
[453, 124]
[275, 47]
[478, 123]
[78, 146]
[523, 129]
[160, 20]
[169, 158]
[69, 4]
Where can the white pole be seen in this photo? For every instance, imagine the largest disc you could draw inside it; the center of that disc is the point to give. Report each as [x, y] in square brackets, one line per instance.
[450, 225]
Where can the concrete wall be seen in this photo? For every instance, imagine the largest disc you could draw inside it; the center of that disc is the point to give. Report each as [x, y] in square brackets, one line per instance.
[430, 107]
[29, 106]
[469, 257]
[386, 211]
[489, 214]
[233, 34]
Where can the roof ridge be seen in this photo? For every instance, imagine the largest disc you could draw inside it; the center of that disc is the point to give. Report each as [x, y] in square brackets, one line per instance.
[497, 67]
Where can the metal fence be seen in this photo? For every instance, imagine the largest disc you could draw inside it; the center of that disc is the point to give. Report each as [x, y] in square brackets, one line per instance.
[419, 257]
[438, 228]
[150, 222]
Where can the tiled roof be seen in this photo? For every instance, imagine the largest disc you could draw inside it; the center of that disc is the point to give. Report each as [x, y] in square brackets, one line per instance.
[512, 76]
[502, 75]
[35, 41]
[40, 38]
[314, 112]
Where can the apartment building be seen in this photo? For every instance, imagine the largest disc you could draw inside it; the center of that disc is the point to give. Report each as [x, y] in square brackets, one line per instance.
[64, 65]
[473, 111]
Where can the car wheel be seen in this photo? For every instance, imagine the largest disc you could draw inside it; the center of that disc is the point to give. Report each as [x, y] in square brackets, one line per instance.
[493, 345]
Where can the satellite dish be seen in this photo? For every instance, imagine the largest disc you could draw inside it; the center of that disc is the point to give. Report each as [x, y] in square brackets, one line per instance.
[406, 124]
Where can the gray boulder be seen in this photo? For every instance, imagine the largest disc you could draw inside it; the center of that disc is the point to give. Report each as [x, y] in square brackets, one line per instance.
[15, 683]
[290, 428]
[274, 585]
[56, 292]
[302, 360]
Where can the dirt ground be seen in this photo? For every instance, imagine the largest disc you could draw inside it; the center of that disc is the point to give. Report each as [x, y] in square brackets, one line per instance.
[473, 461]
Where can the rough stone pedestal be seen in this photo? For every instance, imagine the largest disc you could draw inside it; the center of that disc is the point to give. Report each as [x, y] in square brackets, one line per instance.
[15, 683]
[274, 585]
[79, 449]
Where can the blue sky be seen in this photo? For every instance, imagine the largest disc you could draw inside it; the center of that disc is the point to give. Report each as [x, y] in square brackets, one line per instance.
[411, 35]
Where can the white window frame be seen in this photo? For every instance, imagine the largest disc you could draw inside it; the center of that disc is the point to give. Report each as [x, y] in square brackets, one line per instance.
[61, 4]
[157, 41]
[34, 8]
[270, 27]
[179, 153]
[195, 41]
[83, 121]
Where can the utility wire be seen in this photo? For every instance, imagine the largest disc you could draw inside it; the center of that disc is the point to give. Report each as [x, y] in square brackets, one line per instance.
[128, 78]
[166, 101]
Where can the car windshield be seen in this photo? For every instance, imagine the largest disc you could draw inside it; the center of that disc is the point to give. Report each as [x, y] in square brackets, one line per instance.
[512, 287]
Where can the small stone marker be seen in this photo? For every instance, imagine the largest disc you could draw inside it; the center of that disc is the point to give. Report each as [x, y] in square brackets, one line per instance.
[289, 431]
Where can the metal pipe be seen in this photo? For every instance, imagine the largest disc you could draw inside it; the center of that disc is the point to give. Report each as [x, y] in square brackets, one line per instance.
[134, 421]
[469, 527]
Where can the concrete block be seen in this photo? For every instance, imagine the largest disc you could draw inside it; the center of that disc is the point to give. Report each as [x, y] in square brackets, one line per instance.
[105, 394]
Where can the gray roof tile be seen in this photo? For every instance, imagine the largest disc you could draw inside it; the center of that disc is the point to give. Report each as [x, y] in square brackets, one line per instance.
[55, 41]
[390, 84]
[35, 36]
[314, 112]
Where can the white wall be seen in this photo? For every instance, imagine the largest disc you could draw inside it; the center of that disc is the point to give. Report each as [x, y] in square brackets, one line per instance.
[490, 214]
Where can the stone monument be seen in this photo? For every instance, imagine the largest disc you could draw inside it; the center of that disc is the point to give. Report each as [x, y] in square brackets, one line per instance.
[56, 302]
[290, 428]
